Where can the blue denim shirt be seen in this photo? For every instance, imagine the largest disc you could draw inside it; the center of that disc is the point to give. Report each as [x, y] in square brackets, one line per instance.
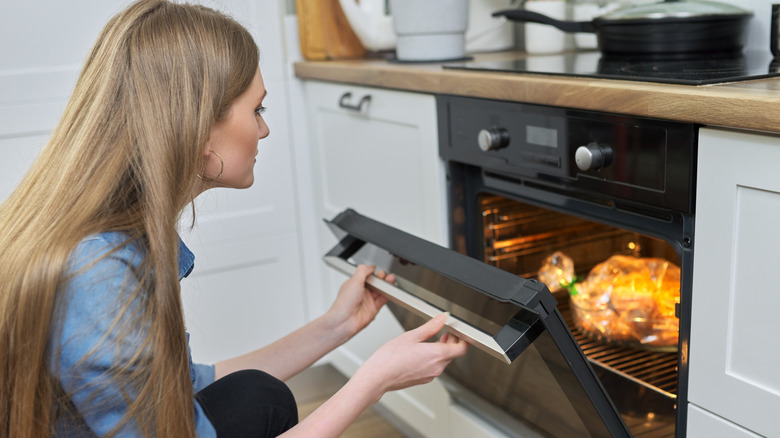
[89, 304]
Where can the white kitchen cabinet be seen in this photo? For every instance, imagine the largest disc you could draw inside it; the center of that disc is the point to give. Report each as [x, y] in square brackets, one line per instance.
[734, 348]
[380, 159]
[41, 49]
[704, 424]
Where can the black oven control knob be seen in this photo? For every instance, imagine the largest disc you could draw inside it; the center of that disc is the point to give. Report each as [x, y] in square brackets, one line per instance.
[593, 156]
[492, 139]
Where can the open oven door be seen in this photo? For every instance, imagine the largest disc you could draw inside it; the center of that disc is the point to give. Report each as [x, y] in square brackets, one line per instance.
[508, 317]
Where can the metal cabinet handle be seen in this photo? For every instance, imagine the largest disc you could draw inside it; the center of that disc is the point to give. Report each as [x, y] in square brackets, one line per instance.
[344, 102]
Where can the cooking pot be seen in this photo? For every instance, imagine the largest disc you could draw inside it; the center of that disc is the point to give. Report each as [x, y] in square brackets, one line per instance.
[671, 28]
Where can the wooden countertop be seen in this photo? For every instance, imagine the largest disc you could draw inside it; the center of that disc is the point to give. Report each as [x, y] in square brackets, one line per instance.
[751, 105]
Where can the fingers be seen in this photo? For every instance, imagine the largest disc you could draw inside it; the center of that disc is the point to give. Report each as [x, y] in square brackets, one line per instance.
[362, 272]
[379, 299]
[390, 278]
[449, 338]
[430, 328]
[441, 354]
[456, 346]
[409, 360]
[435, 325]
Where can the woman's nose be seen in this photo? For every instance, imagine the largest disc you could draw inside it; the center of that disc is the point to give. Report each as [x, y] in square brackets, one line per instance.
[262, 129]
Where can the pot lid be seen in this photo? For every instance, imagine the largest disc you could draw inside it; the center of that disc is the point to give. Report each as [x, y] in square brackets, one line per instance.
[674, 9]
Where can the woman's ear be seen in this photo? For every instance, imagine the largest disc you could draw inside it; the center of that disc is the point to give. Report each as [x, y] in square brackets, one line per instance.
[206, 148]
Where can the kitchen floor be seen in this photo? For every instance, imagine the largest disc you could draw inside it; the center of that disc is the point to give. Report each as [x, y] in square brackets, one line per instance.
[315, 385]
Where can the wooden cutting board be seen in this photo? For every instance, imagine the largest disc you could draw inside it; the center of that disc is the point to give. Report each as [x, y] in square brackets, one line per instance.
[324, 32]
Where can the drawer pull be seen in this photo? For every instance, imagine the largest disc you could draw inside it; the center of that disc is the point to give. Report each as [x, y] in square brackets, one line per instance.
[344, 102]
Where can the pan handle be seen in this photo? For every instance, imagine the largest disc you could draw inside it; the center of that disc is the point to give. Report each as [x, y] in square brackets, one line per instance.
[535, 17]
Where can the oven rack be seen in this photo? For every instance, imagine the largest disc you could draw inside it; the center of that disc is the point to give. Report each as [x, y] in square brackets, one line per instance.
[652, 369]
[651, 372]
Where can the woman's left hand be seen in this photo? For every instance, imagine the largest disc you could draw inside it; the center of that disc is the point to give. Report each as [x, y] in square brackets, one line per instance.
[356, 305]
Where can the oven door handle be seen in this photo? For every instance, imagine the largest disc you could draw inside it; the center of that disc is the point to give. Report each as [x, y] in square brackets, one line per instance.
[470, 334]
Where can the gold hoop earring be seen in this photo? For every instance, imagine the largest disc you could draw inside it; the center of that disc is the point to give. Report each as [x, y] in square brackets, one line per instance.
[221, 168]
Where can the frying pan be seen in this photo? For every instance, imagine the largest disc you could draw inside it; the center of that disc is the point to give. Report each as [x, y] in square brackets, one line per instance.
[671, 28]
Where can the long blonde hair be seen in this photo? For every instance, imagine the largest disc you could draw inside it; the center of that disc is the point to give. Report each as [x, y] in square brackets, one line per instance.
[123, 157]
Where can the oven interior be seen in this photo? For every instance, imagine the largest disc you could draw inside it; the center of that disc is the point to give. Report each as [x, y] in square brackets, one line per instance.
[642, 382]
[517, 237]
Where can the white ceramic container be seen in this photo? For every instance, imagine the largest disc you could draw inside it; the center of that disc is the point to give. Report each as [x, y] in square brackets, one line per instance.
[430, 30]
[543, 38]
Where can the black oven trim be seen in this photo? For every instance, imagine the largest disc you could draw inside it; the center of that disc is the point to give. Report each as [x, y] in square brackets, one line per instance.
[461, 120]
[600, 416]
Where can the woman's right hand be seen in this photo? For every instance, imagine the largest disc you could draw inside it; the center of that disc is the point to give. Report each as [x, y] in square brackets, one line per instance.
[409, 360]
[404, 361]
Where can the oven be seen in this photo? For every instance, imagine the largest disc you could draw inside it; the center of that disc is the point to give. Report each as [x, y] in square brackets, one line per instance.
[528, 181]
[529, 186]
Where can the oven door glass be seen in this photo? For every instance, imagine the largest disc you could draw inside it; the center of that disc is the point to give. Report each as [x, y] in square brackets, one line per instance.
[513, 319]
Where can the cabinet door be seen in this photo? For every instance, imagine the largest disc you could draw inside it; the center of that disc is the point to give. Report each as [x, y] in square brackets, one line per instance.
[41, 51]
[734, 349]
[705, 424]
[381, 159]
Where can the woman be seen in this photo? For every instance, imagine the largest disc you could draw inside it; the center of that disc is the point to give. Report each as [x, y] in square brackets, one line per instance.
[168, 105]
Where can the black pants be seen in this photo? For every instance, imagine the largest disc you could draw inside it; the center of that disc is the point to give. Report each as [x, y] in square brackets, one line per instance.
[249, 403]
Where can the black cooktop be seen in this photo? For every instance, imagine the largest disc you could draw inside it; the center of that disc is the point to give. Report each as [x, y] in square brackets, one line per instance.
[709, 69]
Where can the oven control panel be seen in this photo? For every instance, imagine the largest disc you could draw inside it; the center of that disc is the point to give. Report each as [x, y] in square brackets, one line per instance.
[596, 153]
